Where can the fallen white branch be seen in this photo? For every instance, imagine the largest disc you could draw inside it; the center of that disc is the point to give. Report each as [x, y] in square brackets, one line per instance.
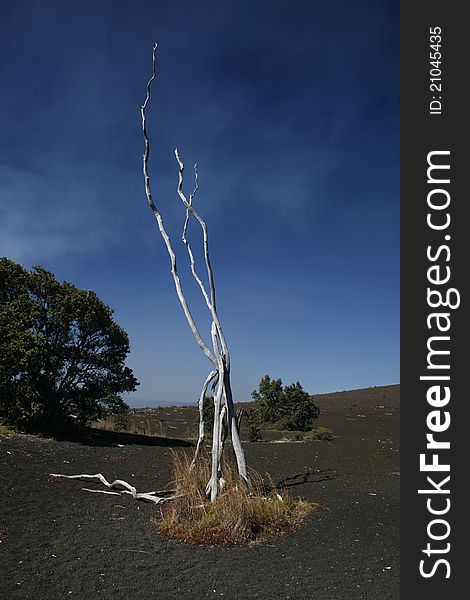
[102, 492]
[128, 489]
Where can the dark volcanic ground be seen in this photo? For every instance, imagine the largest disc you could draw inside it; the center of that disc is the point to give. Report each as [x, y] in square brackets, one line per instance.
[59, 542]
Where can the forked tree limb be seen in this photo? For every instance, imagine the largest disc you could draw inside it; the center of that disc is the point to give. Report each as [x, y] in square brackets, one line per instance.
[190, 209]
[158, 217]
[188, 245]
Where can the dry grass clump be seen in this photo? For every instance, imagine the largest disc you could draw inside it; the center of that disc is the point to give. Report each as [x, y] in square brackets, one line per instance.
[5, 431]
[237, 517]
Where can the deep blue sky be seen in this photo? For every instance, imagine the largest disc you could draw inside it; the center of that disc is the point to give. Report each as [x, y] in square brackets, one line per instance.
[291, 110]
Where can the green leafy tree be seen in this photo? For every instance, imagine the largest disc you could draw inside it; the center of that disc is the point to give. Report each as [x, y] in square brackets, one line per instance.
[270, 396]
[299, 409]
[61, 353]
[289, 407]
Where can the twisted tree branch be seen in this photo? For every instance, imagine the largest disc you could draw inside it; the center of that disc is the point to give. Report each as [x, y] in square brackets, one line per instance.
[128, 489]
[158, 217]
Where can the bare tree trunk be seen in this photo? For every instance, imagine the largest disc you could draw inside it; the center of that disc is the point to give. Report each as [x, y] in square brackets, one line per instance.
[233, 430]
[200, 440]
[219, 355]
[240, 415]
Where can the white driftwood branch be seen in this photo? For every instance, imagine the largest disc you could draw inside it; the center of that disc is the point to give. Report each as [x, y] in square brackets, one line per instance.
[158, 217]
[233, 430]
[187, 243]
[223, 412]
[103, 492]
[216, 438]
[212, 375]
[239, 415]
[128, 489]
[190, 209]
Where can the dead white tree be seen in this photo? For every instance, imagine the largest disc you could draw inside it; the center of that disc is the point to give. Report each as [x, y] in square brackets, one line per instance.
[218, 355]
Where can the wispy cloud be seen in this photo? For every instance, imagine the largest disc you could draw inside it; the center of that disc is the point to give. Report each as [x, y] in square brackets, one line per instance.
[42, 218]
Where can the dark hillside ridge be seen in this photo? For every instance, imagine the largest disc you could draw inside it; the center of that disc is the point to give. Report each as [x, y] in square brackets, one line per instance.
[337, 410]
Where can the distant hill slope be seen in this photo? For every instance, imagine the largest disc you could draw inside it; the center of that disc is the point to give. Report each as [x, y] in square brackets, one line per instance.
[389, 394]
[338, 410]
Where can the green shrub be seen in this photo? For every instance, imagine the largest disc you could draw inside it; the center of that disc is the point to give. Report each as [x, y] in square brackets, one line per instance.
[289, 407]
[121, 421]
[319, 433]
[253, 420]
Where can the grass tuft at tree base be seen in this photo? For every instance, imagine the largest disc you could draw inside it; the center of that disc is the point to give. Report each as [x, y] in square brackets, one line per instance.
[237, 517]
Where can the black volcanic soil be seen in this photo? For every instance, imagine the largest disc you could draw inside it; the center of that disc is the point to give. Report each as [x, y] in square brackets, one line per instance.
[59, 542]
